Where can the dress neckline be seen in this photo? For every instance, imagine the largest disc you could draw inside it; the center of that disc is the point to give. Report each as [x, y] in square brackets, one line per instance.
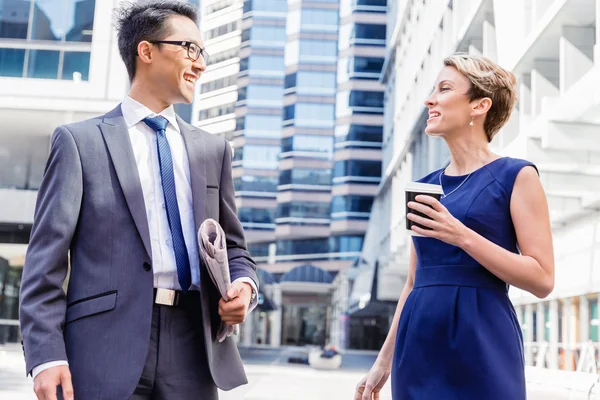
[471, 173]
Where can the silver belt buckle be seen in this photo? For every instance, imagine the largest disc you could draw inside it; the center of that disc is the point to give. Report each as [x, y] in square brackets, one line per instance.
[165, 297]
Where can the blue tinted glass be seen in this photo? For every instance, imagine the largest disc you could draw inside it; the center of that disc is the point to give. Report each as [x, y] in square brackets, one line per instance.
[310, 82]
[366, 168]
[80, 20]
[306, 209]
[303, 246]
[264, 96]
[304, 176]
[314, 115]
[14, 19]
[310, 143]
[266, 126]
[250, 183]
[319, 20]
[43, 64]
[76, 62]
[358, 133]
[258, 249]
[352, 203]
[318, 51]
[268, 36]
[260, 156]
[345, 244]
[256, 215]
[266, 5]
[369, 31]
[11, 62]
[71, 20]
[259, 65]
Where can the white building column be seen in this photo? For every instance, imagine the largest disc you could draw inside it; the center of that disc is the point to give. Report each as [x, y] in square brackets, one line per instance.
[584, 319]
[569, 332]
[529, 334]
[276, 317]
[248, 330]
[553, 347]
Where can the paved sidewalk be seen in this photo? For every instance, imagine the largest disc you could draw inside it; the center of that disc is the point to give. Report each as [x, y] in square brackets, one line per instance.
[273, 381]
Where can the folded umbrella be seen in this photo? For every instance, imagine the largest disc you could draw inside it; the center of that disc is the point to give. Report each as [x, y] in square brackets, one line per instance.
[213, 250]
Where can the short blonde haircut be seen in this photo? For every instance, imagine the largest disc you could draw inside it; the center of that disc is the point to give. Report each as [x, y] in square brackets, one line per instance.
[488, 79]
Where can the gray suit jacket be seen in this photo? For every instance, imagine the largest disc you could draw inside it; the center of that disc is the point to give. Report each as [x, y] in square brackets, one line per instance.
[90, 204]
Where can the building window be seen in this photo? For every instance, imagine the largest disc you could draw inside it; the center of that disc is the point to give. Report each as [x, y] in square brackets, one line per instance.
[367, 171]
[223, 56]
[270, 6]
[218, 6]
[249, 183]
[311, 83]
[216, 111]
[12, 62]
[345, 244]
[256, 215]
[260, 126]
[257, 156]
[362, 34]
[358, 136]
[305, 209]
[351, 68]
[219, 84]
[221, 30]
[303, 246]
[263, 65]
[261, 96]
[359, 102]
[311, 144]
[258, 249]
[318, 20]
[305, 176]
[43, 64]
[310, 115]
[265, 36]
[352, 203]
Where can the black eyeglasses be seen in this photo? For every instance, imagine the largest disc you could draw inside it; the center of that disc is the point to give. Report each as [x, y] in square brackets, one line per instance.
[194, 51]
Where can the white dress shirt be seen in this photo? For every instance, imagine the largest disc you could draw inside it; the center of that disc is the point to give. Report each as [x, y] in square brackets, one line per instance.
[143, 143]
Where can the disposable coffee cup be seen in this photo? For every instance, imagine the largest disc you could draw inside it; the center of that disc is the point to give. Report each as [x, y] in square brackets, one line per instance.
[412, 190]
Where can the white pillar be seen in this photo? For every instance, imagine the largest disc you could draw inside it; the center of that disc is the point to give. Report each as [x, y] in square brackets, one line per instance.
[584, 319]
[276, 317]
[540, 323]
[553, 347]
[569, 332]
[529, 334]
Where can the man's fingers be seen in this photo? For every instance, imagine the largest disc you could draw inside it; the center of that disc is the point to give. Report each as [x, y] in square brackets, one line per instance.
[67, 385]
[229, 307]
[233, 292]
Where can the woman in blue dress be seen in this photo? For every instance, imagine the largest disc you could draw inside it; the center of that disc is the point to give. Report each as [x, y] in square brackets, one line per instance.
[455, 334]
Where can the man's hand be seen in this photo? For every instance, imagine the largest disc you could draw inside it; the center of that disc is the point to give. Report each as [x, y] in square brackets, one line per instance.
[44, 385]
[234, 311]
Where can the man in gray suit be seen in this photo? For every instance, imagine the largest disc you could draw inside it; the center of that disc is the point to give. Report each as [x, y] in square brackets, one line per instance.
[124, 195]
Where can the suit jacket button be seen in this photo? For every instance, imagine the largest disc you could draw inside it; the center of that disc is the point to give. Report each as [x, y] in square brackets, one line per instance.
[147, 266]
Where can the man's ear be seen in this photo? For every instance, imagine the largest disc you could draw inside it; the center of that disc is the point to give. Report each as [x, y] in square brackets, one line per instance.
[144, 51]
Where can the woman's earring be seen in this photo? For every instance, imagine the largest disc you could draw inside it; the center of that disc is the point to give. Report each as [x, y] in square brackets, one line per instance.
[471, 123]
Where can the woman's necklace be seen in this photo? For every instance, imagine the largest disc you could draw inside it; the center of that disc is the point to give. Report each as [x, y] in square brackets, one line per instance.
[444, 195]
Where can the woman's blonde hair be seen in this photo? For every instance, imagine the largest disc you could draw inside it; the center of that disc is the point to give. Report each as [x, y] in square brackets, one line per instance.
[488, 79]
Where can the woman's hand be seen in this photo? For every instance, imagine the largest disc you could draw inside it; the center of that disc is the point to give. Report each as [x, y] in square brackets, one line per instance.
[444, 226]
[369, 387]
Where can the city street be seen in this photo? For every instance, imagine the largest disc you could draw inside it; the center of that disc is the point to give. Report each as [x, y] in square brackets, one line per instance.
[268, 379]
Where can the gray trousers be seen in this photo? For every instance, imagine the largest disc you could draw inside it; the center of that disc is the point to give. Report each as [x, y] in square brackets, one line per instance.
[176, 367]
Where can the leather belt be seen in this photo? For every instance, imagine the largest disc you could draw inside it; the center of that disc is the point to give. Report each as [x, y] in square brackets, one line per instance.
[167, 297]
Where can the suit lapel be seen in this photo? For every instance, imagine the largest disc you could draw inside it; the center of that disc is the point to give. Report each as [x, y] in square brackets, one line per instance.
[117, 140]
[195, 146]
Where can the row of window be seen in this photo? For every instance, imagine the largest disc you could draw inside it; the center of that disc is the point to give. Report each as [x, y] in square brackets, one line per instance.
[219, 84]
[351, 204]
[362, 34]
[312, 20]
[305, 209]
[265, 36]
[218, 6]
[260, 126]
[215, 112]
[333, 244]
[223, 56]
[44, 64]
[357, 168]
[249, 183]
[263, 65]
[311, 51]
[358, 133]
[359, 102]
[256, 215]
[48, 20]
[221, 30]
[305, 176]
[268, 96]
[350, 68]
[308, 143]
[310, 115]
[266, 5]
[311, 82]
[257, 156]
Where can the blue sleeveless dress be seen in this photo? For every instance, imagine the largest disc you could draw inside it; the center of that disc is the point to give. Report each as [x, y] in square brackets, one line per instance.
[458, 335]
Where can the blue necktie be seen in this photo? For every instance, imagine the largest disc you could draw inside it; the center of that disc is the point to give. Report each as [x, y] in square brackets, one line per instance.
[159, 125]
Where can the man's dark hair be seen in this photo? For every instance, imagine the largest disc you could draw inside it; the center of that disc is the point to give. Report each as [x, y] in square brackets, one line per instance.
[148, 21]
